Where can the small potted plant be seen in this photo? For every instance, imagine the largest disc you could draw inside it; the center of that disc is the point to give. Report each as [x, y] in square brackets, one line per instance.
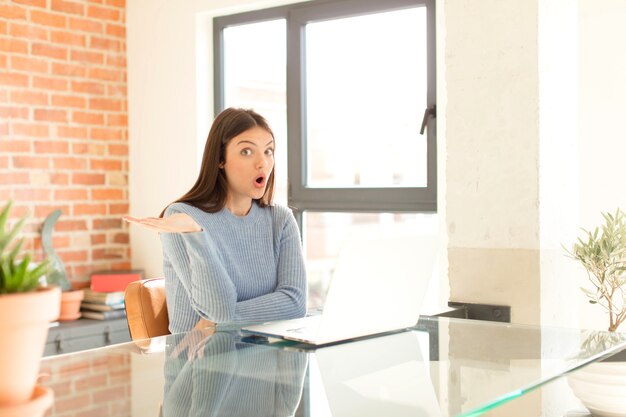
[25, 311]
[70, 298]
[603, 255]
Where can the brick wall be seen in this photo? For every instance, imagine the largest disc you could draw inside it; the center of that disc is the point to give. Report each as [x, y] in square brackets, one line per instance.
[96, 384]
[63, 126]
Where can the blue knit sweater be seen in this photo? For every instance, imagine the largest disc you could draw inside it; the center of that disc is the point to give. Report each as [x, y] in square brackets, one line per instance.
[238, 269]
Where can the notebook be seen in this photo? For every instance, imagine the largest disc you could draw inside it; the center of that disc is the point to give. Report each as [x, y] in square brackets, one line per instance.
[367, 296]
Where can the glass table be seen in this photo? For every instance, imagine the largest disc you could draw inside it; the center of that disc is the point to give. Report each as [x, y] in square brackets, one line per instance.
[442, 367]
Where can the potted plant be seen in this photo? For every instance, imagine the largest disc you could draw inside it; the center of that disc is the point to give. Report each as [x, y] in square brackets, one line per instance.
[25, 311]
[602, 386]
[70, 299]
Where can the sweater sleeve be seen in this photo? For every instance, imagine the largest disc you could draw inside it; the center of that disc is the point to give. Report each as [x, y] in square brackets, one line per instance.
[289, 298]
[196, 264]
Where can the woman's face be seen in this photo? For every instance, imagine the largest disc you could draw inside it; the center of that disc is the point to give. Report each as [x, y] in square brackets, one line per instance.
[249, 161]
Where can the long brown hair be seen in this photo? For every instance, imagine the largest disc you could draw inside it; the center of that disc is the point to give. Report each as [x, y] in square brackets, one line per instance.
[211, 188]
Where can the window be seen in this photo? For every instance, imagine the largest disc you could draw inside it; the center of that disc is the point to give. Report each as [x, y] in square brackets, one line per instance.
[346, 86]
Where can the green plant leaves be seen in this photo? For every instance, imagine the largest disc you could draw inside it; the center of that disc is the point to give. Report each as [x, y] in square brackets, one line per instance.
[603, 254]
[16, 275]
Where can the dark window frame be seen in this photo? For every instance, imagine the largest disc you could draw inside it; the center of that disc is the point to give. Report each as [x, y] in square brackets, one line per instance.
[362, 199]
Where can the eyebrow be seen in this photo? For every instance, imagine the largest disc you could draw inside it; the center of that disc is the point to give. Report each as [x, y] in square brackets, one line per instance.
[254, 144]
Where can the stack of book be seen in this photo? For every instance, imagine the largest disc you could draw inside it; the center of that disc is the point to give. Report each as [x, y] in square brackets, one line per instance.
[103, 305]
[104, 299]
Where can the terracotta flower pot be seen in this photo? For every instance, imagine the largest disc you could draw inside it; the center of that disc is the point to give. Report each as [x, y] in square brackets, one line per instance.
[70, 305]
[24, 319]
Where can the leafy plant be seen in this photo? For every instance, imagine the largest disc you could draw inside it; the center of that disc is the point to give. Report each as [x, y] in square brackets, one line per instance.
[603, 255]
[16, 275]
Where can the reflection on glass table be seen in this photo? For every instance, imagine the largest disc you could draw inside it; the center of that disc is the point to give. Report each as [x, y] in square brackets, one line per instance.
[442, 367]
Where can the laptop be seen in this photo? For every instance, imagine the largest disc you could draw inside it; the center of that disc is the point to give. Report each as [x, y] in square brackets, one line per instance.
[378, 286]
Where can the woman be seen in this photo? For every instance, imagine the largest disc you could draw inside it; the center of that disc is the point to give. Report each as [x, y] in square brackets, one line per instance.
[231, 255]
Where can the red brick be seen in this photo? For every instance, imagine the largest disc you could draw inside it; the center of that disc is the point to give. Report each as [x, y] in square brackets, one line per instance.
[13, 46]
[74, 256]
[103, 13]
[80, 148]
[105, 104]
[32, 194]
[107, 194]
[121, 238]
[69, 101]
[87, 118]
[98, 239]
[36, 3]
[36, 162]
[51, 147]
[5, 194]
[121, 265]
[106, 165]
[12, 12]
[48, 19]
[72, 132]
[109, 394]
[116, 119]
[116, 30]
[116, 3]
[106, 134]
[70, 225]
[27, 31]
[118, 149]
[69, 163]
[106, 44]
[87, 179]
[97, 149]
[105, 254]
[87, 87]
[60, 178]
[42, 49]
[68, 38]
[116, 61]
[29, 97]
[14, 146]
[4, 63]
[68, 7]
[10, 112]
[116, 90]
[85, 25]
[87, 57]
[70, 194]
[89, 209]
[4, 127]
[51, 115]
[105, 74]
[93, 381]
[32, 130]
[118, 208]
[50, 83]
[13, 79]
[97, 410]
[101, 224]
[68, 69]
[42, 210]
[29, 64]
[4, 162]
[73, 403]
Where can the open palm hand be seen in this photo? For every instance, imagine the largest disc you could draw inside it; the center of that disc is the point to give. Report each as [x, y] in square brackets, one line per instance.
[177, 223]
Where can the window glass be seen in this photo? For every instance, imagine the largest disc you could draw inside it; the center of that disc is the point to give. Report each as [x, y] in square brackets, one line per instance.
[254, 77]
[365, 95]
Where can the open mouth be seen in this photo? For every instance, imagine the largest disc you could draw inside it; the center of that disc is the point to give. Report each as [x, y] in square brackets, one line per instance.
[260, 181]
